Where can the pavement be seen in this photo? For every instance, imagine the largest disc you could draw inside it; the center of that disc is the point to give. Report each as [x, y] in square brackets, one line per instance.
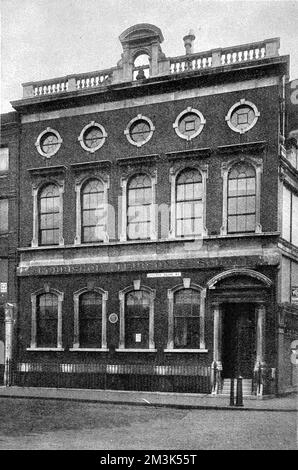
[155, 399]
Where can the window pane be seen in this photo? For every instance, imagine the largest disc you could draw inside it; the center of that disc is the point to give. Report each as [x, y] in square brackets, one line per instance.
[3, 215]
[93, 211]
[139, 196]
[4, 159]
[137, 305]
[90, 320]
[187, 319]
[47, 320]
[241, 198]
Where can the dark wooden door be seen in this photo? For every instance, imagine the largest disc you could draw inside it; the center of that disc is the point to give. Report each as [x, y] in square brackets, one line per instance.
[238, 340]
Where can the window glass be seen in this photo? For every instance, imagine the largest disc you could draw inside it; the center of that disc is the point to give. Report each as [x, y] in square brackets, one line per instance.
[4, 159]
[286, 214]
[90, 320]
[49, 215]
[139, 199]
[137, 307]
[93, 212]
[47, 320]
[3, 216]
[187, 319]
[188, 203]
[241, 198]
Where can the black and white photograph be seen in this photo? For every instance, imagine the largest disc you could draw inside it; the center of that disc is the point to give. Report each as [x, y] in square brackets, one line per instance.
[149, 228]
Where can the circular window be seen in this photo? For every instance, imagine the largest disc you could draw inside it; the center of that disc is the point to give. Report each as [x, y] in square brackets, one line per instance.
[92, 137]
[189, 123]
[48, 142]
[139, 130]
[242, 116]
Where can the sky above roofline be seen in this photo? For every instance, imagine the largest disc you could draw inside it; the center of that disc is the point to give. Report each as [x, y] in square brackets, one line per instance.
[42, 39]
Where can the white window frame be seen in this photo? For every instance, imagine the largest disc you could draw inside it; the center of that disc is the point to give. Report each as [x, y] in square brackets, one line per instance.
[36, 190]
[234, 107]
[133, 121]
[123, 183]
[76, 301]
[257, 164]
[33, 343]
[102, 141]
[137, 286]
[175, 171]
[79, 184]
[180, 116]
[186, 284]
[38, 146]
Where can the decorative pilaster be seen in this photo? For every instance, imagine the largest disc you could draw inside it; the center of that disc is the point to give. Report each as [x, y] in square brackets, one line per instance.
[260, 353]
[9, 327]
[217, 340]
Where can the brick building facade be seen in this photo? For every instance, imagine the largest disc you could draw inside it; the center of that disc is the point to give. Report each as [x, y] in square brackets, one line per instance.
[153, 247]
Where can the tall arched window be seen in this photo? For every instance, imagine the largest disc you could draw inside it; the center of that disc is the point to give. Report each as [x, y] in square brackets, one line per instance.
[189, 205]
[139, 200]
[137, 310]
[46, 320]
[187, 319]
[49, 215]
[93, 211]
[241, 198]
[90, 320]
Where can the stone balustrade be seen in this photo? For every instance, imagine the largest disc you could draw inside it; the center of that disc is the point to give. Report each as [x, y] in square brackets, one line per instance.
[172, 65]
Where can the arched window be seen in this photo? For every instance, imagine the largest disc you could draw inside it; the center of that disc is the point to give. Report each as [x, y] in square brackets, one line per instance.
[189, 205]
[90, 320]
[186, 319]
[241, 198]
[141, 67]
[137, 307]
[49, 215]
[139, 200]
[93, 211]
[46, 320]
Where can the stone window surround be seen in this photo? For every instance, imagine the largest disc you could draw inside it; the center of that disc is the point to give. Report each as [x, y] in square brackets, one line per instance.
[76, 302]
[36, 189]
[133, 121]
[102, 140]
[234, 107]
[257, 164]
[180, 116]
[137, 286]
[104, 178]
[152, 174]
[38, 146]
[33, 344]
[186, 284]
[175, 171]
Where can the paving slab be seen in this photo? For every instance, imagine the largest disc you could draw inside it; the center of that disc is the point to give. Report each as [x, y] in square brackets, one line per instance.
[175, 400]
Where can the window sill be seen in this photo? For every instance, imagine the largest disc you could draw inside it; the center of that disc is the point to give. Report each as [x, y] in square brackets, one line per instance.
[45, 349]
[185, 350]
[136, 350]
[89, 349]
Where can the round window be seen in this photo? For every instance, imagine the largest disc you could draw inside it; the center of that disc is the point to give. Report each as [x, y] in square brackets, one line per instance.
[242, 116]
[48, 142]
[139, 130]
[189, 123]
[92, 137]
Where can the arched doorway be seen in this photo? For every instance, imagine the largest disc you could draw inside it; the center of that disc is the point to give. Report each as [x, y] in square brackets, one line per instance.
[239, 298]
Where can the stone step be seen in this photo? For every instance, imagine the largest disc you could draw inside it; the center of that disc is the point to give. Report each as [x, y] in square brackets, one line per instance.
[246, 387]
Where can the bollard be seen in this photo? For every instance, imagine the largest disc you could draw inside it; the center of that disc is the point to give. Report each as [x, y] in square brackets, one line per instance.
[232, 402]
[239, 395]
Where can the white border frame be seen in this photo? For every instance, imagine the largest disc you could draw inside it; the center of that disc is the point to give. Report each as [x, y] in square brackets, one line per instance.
[186, 284]
[137, 286]
[234, 107]
[127, 130]
[33, 343]
[78, 189]
[102, 141]
[76, 333]
[38, 146]
[180, 116]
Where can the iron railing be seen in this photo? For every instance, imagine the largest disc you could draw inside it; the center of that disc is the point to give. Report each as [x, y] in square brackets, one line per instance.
[182, 378]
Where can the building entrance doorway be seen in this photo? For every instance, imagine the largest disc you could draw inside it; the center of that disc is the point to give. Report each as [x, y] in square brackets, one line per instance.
[239, 340]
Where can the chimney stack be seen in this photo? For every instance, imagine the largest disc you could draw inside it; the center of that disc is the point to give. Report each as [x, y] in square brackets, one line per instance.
[188, 42]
